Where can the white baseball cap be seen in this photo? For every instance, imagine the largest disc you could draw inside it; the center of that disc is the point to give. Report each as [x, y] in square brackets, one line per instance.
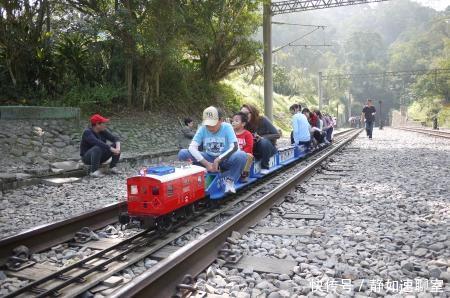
[210, 116]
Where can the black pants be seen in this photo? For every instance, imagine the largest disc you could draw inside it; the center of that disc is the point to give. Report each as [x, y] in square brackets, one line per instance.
[264, 149]
[318, 136]
[369, 128]
[307, 144]
[329, 133]
[97, 155]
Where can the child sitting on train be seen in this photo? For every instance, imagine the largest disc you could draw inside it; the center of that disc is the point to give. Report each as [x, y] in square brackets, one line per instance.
[245, 141]
[220, 149]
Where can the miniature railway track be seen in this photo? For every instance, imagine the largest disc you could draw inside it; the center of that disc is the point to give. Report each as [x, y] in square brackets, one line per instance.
[78, 277]
[170, 274]
[430, 132]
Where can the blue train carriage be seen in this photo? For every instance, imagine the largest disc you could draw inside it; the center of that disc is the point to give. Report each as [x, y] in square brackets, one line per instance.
[215, 187]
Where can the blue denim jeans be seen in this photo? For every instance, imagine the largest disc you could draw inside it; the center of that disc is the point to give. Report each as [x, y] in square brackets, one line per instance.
[231, 168]
[329, 133]
[369, 128]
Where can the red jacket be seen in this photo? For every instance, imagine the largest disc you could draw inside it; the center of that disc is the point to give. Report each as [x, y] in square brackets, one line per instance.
[245, 141]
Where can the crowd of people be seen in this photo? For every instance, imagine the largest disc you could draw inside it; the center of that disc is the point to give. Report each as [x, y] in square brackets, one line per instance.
[224, 145]
[310, 128]
[230, 148]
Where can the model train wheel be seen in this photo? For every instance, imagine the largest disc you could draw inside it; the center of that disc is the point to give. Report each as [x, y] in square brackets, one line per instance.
[190, 211]
[165, 224]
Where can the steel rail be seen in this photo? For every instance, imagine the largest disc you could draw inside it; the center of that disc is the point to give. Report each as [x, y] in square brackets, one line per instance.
[161, 280]
[42, 237]
[66, 232]
[435, 133]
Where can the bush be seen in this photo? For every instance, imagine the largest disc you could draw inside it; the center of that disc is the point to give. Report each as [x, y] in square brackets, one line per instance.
[93, 97]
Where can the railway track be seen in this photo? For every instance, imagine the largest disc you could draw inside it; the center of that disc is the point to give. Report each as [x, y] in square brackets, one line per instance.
[174, 271]
[113, 256]
[430, 132]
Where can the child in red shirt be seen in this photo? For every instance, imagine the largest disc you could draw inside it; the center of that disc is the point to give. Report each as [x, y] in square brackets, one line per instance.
[245, 140]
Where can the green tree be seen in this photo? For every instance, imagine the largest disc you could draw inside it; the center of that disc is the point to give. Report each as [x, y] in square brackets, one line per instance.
[24, 45]
[219, 35]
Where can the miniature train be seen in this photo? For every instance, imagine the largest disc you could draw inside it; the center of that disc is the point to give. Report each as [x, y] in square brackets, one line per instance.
[159, 196]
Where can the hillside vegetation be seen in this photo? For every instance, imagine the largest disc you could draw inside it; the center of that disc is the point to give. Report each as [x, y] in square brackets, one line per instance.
[179, 56]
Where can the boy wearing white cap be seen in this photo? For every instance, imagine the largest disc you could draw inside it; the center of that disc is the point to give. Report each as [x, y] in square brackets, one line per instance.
[221, 150]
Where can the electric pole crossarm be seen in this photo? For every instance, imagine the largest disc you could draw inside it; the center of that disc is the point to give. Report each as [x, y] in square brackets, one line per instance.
[289, 6]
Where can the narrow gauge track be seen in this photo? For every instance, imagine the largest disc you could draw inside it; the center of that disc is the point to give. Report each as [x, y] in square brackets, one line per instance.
[430, 132]
[42, 237]
[77, 278]
[168, 275]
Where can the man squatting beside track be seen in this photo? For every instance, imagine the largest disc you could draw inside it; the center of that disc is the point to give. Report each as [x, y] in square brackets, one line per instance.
[94, 148]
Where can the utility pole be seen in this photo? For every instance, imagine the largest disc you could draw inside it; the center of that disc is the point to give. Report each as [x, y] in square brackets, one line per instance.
[349, 104]
[319, 91]
[267, 41]
[381, 119]
[337, 114]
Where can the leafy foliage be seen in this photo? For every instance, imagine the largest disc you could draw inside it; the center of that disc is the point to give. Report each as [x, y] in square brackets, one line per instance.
[161, 52]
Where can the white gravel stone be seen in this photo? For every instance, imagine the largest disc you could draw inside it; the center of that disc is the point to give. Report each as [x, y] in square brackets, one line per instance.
[384, 220]
[35, 205]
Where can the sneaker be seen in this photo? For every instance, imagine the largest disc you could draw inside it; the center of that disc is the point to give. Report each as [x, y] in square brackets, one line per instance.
[264, 171]
[115, 171]
[97, 174]
[229, 186]
[243, 179]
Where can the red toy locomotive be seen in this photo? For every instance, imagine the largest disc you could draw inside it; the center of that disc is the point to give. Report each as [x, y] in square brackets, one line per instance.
[161, 194]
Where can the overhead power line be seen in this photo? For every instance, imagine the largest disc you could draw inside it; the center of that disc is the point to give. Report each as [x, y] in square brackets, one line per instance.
[311, 45]
[295, 40]
[289, 6]
[300, 25]
[348, 76]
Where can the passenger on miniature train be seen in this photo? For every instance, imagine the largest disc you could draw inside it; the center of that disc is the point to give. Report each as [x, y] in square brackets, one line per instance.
[220, 149]
[301, 134]
[94, 147]
[265, 134]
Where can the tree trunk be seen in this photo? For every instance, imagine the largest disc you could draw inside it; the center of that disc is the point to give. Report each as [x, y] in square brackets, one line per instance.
[129, 80]
[11, 73]
[146, 93]
[47, 23]
[157, 83]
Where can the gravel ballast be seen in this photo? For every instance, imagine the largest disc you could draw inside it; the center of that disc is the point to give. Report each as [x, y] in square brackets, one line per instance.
[385, 231]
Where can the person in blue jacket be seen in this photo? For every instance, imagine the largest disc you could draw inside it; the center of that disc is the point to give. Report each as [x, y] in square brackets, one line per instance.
[94, 147]
[220, 149]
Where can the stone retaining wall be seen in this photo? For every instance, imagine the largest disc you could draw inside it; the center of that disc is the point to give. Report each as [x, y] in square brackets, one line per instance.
[31, 112]
[32, 145]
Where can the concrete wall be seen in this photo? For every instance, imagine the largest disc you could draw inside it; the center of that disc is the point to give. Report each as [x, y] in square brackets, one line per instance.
[31, 112]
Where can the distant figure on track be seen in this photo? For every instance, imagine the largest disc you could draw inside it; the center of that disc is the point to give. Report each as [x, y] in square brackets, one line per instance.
[368, 115]
[94, 148]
